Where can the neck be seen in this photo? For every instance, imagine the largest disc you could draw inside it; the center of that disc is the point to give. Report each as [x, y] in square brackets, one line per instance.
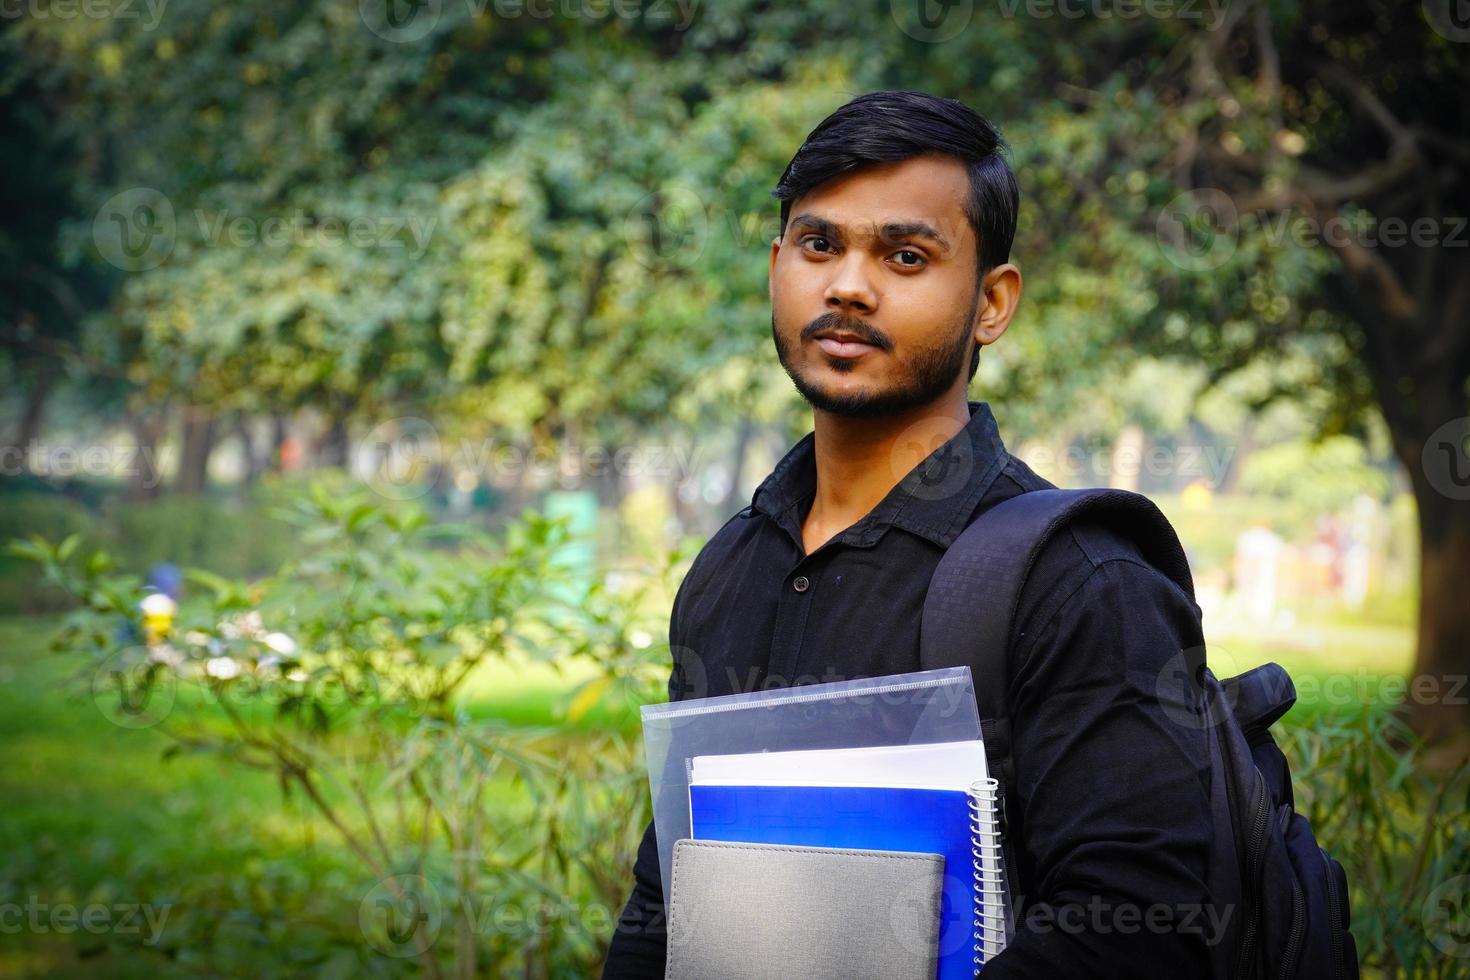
[859, 460]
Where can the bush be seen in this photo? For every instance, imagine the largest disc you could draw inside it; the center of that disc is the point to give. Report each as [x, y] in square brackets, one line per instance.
[341, 674]
[51, 516]
[1397, 824]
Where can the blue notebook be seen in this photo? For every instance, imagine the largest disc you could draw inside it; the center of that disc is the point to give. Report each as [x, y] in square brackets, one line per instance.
[936, 821]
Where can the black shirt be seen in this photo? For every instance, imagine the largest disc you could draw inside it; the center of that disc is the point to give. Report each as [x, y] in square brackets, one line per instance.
[1109, 807]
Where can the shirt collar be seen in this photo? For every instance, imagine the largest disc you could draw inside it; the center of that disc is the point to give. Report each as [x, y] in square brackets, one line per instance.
[934, 500]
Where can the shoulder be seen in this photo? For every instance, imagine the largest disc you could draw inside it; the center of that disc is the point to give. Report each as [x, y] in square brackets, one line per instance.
[1092, 568]
[733, 536]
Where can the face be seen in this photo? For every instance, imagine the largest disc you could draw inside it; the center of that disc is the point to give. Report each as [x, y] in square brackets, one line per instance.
[875, 300]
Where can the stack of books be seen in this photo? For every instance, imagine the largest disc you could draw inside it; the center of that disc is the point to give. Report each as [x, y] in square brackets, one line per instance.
[885, 803]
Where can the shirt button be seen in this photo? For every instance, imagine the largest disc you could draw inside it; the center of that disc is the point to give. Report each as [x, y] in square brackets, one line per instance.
[800, 583]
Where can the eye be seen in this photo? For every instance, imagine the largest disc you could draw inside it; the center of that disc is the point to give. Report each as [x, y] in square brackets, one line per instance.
[811, 242]
[910, 259]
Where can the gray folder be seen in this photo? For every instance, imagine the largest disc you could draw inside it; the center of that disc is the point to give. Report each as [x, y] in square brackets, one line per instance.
[762, 911]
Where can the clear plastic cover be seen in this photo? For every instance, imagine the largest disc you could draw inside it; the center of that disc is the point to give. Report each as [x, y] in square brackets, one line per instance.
[899, 709]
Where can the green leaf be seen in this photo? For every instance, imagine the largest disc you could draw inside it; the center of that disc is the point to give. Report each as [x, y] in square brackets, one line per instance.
[68, 546]
[587, 697]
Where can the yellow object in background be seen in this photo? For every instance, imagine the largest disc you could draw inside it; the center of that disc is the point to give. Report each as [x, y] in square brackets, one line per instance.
[158, 616]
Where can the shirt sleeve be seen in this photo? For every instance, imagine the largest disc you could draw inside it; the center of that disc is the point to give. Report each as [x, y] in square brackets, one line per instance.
[1110, 791]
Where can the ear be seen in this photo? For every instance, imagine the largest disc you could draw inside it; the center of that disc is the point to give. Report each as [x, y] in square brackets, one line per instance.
[771, 278]
[1001, 295]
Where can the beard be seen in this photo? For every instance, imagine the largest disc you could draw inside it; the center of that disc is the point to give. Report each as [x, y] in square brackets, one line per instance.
[926, 376]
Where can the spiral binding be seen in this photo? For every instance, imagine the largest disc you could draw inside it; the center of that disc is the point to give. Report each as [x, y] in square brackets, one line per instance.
[989, 874]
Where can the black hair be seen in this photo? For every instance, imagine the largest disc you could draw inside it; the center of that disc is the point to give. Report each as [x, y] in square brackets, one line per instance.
[890, 127]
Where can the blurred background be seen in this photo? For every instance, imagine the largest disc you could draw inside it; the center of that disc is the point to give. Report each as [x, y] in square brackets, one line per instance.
[373, 370]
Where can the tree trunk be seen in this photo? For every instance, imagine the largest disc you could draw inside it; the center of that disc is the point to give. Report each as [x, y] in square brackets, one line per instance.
[253, 464]
[34, 411]
[1229, 480]
[1437, 705]
[274, 462]
[733, 495]
[1412, 304]
[146, 477]
[195, 447]
[1127, 458]
[332, 450]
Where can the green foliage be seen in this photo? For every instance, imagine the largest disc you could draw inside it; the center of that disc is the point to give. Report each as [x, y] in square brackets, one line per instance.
[343, 675]
[1395, 819]
[230, 537]
[51, 516]
[1317, 477]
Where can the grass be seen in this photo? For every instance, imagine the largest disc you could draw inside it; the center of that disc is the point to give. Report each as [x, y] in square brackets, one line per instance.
[89, 805]
[93, 814]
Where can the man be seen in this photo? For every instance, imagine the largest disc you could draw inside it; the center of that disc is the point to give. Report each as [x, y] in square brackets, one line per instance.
[889, 275]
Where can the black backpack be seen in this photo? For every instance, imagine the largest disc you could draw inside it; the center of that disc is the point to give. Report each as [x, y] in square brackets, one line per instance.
[1292, 895]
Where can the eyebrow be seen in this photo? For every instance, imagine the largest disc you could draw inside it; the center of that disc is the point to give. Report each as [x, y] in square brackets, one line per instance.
[892, 231]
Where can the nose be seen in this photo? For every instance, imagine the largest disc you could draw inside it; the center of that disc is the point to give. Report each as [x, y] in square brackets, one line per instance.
[850, 290]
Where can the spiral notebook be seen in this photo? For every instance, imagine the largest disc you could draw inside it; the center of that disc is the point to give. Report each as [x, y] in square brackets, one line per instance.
[934, 798]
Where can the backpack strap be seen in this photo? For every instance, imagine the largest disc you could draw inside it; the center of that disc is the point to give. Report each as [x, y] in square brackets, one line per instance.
[969, 612]
[970, 609]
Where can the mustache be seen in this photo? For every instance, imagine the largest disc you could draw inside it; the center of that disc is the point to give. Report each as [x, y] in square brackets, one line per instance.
[865, 332]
